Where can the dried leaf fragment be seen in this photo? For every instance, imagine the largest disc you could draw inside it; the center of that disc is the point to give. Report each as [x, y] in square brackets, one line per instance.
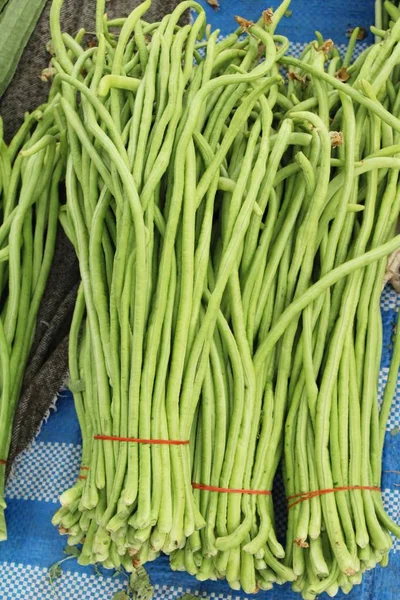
[392, 273]
[243, 23]
[343, 74]
[261, 49]
[326, 47]
[301, 543]
[214, 4]
[49, 48]
[336, 138]
[362, 33]
[48, 74]
[63, 531]
[267, 16]
[296, 77]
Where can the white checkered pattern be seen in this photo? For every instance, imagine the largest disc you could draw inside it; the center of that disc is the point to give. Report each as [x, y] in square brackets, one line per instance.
[394, 416]
[390, 300]
[168, 593]
[45, 471]
[391, 500]
[383, 375]
[33, 583]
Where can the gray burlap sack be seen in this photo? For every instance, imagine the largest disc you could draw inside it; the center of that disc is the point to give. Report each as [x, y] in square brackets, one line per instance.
[48, 364]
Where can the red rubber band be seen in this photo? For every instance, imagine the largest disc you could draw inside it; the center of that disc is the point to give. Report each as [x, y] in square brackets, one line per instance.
[3, 462]
[302, 496]
[211, 488]
[112, 438]
[83, 468]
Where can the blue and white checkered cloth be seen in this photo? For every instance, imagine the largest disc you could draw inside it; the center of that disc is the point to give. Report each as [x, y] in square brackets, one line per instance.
[51, 464]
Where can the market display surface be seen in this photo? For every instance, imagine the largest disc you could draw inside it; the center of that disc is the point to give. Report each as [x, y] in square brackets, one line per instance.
[232, 218]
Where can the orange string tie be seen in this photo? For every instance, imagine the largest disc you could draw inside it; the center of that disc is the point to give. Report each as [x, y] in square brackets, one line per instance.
[302, 496]
[212, 488]
[3, 462]
[111, 438]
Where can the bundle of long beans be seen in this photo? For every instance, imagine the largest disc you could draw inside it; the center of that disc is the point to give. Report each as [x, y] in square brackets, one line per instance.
[334, 432]
[29, 200]
[328, 214]
[231, 228]
[145, 263]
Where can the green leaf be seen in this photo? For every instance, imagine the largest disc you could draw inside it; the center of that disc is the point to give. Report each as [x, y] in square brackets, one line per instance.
[72, 551]
[18, 21]
[120, 571]
[120, 596]
[55, 572]
[140, 584]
